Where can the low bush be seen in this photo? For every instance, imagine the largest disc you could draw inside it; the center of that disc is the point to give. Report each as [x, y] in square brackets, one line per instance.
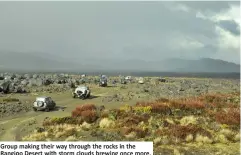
[182, 132]
[89, 116]
[187, 104]
[142, 110]
[203, 139]
[133, 119]
[86, 107]
[155, 107]
[221, 100]
[188, 120]
[62, 120]
[164, 105]
[139, 132]
[87, 112]
[107, 123]
[214, 98]
[229, 117]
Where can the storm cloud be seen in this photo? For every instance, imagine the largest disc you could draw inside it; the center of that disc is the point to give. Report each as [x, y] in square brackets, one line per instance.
[150, 31]
[231, 26]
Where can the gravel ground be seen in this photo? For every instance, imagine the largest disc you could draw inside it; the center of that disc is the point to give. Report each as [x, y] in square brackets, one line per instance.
[13, 108]
[151, 89]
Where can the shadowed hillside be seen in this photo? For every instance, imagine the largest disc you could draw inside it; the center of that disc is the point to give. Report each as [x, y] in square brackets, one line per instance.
[47, 62]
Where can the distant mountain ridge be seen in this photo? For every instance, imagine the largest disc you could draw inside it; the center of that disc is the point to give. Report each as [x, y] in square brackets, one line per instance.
[46, 62]
[36, 62]
[202, 65]
[171, 65]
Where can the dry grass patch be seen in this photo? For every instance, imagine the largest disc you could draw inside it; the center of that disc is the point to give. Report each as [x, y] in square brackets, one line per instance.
[230, 117]
[10, 99]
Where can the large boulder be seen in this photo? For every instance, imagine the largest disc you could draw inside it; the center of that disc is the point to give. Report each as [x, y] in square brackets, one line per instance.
[60, 80]
[24, 82]
[161, 79]
[7, 78]
[35, 82]
[12, 87]
[27, 76]
[39, 82]
[16, 80]
[21, 77]
[20, 89]
[35, 76]
[47, 82]
[6, 87]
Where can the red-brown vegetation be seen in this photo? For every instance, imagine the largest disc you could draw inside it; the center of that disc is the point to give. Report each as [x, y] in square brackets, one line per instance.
[89, 116]
[86, 107]
[87, 112]
[229, 117]
[135, 119]
[221, 100]
[204, 102]
[62, 120]
[187, 104]
[181, 132]
[161, 132]
[140, 133]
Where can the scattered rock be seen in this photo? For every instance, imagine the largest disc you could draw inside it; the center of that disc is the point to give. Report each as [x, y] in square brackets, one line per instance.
[12, 108]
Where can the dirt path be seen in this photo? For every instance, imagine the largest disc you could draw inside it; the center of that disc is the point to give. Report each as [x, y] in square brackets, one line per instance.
[15, 127]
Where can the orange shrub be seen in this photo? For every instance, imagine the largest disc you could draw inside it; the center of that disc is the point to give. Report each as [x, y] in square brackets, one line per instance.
[86, 107]
[187, 104]
[89, 116]
[176, 104]
[87, 112]
[204, 102]
[212, 98]
[76, 113]
[160, 108]
[230, 117]
[135, 119]
[221, 100]
[194, 104]
[182, 132]
[161, 132]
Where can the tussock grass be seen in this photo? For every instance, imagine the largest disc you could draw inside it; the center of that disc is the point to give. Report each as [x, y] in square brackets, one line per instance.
[207, 120]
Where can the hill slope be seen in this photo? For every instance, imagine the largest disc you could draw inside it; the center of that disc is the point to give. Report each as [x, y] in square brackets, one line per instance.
[169, 65]
[47, 62]
[201, 65]
[16, 61]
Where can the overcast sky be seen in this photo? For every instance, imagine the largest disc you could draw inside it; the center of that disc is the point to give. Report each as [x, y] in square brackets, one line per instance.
[123, 30]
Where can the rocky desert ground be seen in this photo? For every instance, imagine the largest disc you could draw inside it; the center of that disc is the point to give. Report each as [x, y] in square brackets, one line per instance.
[180, 115]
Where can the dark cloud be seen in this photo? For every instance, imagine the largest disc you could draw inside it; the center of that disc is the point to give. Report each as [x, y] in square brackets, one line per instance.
[231, 26]
[113, 30]
[213, 6]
